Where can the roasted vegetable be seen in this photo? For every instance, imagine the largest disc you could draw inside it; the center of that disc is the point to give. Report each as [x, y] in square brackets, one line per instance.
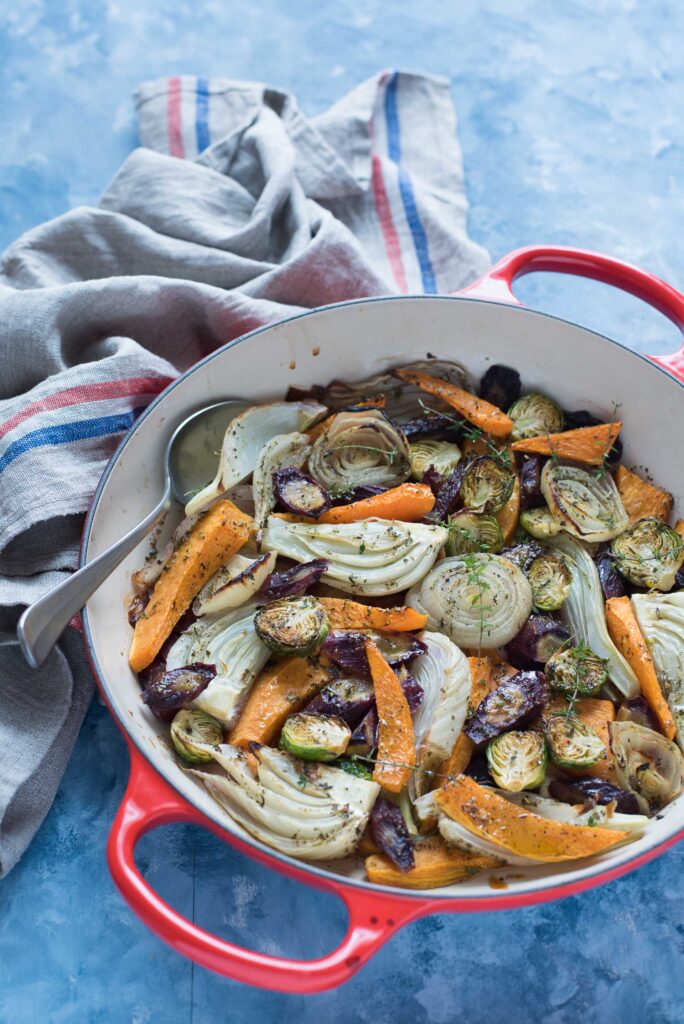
[347, 648]
[371, 557]
[661, 620]
[593, 791]
[592, 814]
[508, 517]
[396, 742]
[511, 705]
[349, 698]
[175, 689]
[212, 541]
[391, 835]
[230, 644]
[443, 675]
[352, 615]
[365, 736]
[637, 710]
[517, 760]
[487, 484]
[473, 531]
[586, 504]
[315, 737]
[522, 554]
[579, 418]
[447, 492]
[477, 411]
[407, 502]
[435, 865]
[292, 625]
[280, 458]
[500, 386]
[514, 830]
[192, 731]
[533, 415]
[299, 493]
[647, 764]
[481, 684]
[245, 438]
[540, 523]
[641, 498]
[478, 600]
[589, 445]
[233, 584]
[628, 638]
[649, 554]
[137, 606]
[359, 448]
[541, 636]
[443, 455]
[572, 743]
[435, 425]
[584, 613]
[611, 581]
[530, 480]
[312, 811]
[294, 581]
[550, 580]
[577, 671]
[277, 693]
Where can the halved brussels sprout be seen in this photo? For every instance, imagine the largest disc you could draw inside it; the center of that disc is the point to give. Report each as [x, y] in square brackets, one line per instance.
[646, 764]
[293, 625]
[443, 455]
[588, 505]
[573, 743]
[315, 737]
[517, 760]
[192, 731]
[576, 670]
[533, 415]
[473, 531]
[540, 523]
[550, 580]
[649, 554]
[486, 485]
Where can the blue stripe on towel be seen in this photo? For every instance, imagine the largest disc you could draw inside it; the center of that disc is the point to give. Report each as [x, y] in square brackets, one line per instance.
[202, 115]
[63, 433]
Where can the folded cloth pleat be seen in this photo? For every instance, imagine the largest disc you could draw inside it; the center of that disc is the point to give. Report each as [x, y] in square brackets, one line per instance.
[237, 210]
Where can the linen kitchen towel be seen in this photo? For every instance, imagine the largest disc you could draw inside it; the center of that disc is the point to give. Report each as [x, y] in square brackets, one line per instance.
[236, 211]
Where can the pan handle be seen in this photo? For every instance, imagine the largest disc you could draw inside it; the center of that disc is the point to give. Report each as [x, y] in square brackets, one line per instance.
[497, 284]
[373, 918]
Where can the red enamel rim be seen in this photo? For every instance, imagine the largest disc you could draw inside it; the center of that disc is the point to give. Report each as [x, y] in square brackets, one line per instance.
[374, 914]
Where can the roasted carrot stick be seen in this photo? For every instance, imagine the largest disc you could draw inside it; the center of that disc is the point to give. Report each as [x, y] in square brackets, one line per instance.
[345, 614]
[482, 414]
[276, 694]
[586, 444]
[408, 502]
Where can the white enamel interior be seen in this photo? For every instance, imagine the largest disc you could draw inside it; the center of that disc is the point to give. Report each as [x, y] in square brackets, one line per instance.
[577, 367]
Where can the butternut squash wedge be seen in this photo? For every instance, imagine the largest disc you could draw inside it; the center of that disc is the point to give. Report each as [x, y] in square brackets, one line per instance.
[482, 683]
[436, 864]
[484, 415]
[278, 692]
[640, 497]
[627, 636]
[585, 444]
[516, 829]
[345, 614]
[396, 755]
[407, 502]
[215, 537]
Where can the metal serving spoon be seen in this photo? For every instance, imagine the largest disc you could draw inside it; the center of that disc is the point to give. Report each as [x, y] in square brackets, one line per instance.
[189, 462]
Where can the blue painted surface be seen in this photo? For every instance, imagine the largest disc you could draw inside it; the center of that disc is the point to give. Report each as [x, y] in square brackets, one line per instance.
[571, 124]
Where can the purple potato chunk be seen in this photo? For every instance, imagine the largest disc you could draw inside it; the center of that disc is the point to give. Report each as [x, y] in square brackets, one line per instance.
[347, 648]
[592, 792]
[530, 481]
[176, 689]
[433, 479]
[299, 493]
[364, 739]
[500, 386]
[294, 581]
[541, 636]
[447, 495]
[637, 710]
[391, 835]
[440, 427]
[350, 699]
[357, 494]
[513, 704]
[612, 583]
[581, 418]
[523, 554]
[413, 692]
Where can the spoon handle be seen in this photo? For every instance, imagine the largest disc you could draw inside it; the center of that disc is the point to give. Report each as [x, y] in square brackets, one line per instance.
[43, 622]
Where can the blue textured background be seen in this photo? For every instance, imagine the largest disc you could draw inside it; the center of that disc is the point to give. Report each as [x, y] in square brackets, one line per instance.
[572, 129]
